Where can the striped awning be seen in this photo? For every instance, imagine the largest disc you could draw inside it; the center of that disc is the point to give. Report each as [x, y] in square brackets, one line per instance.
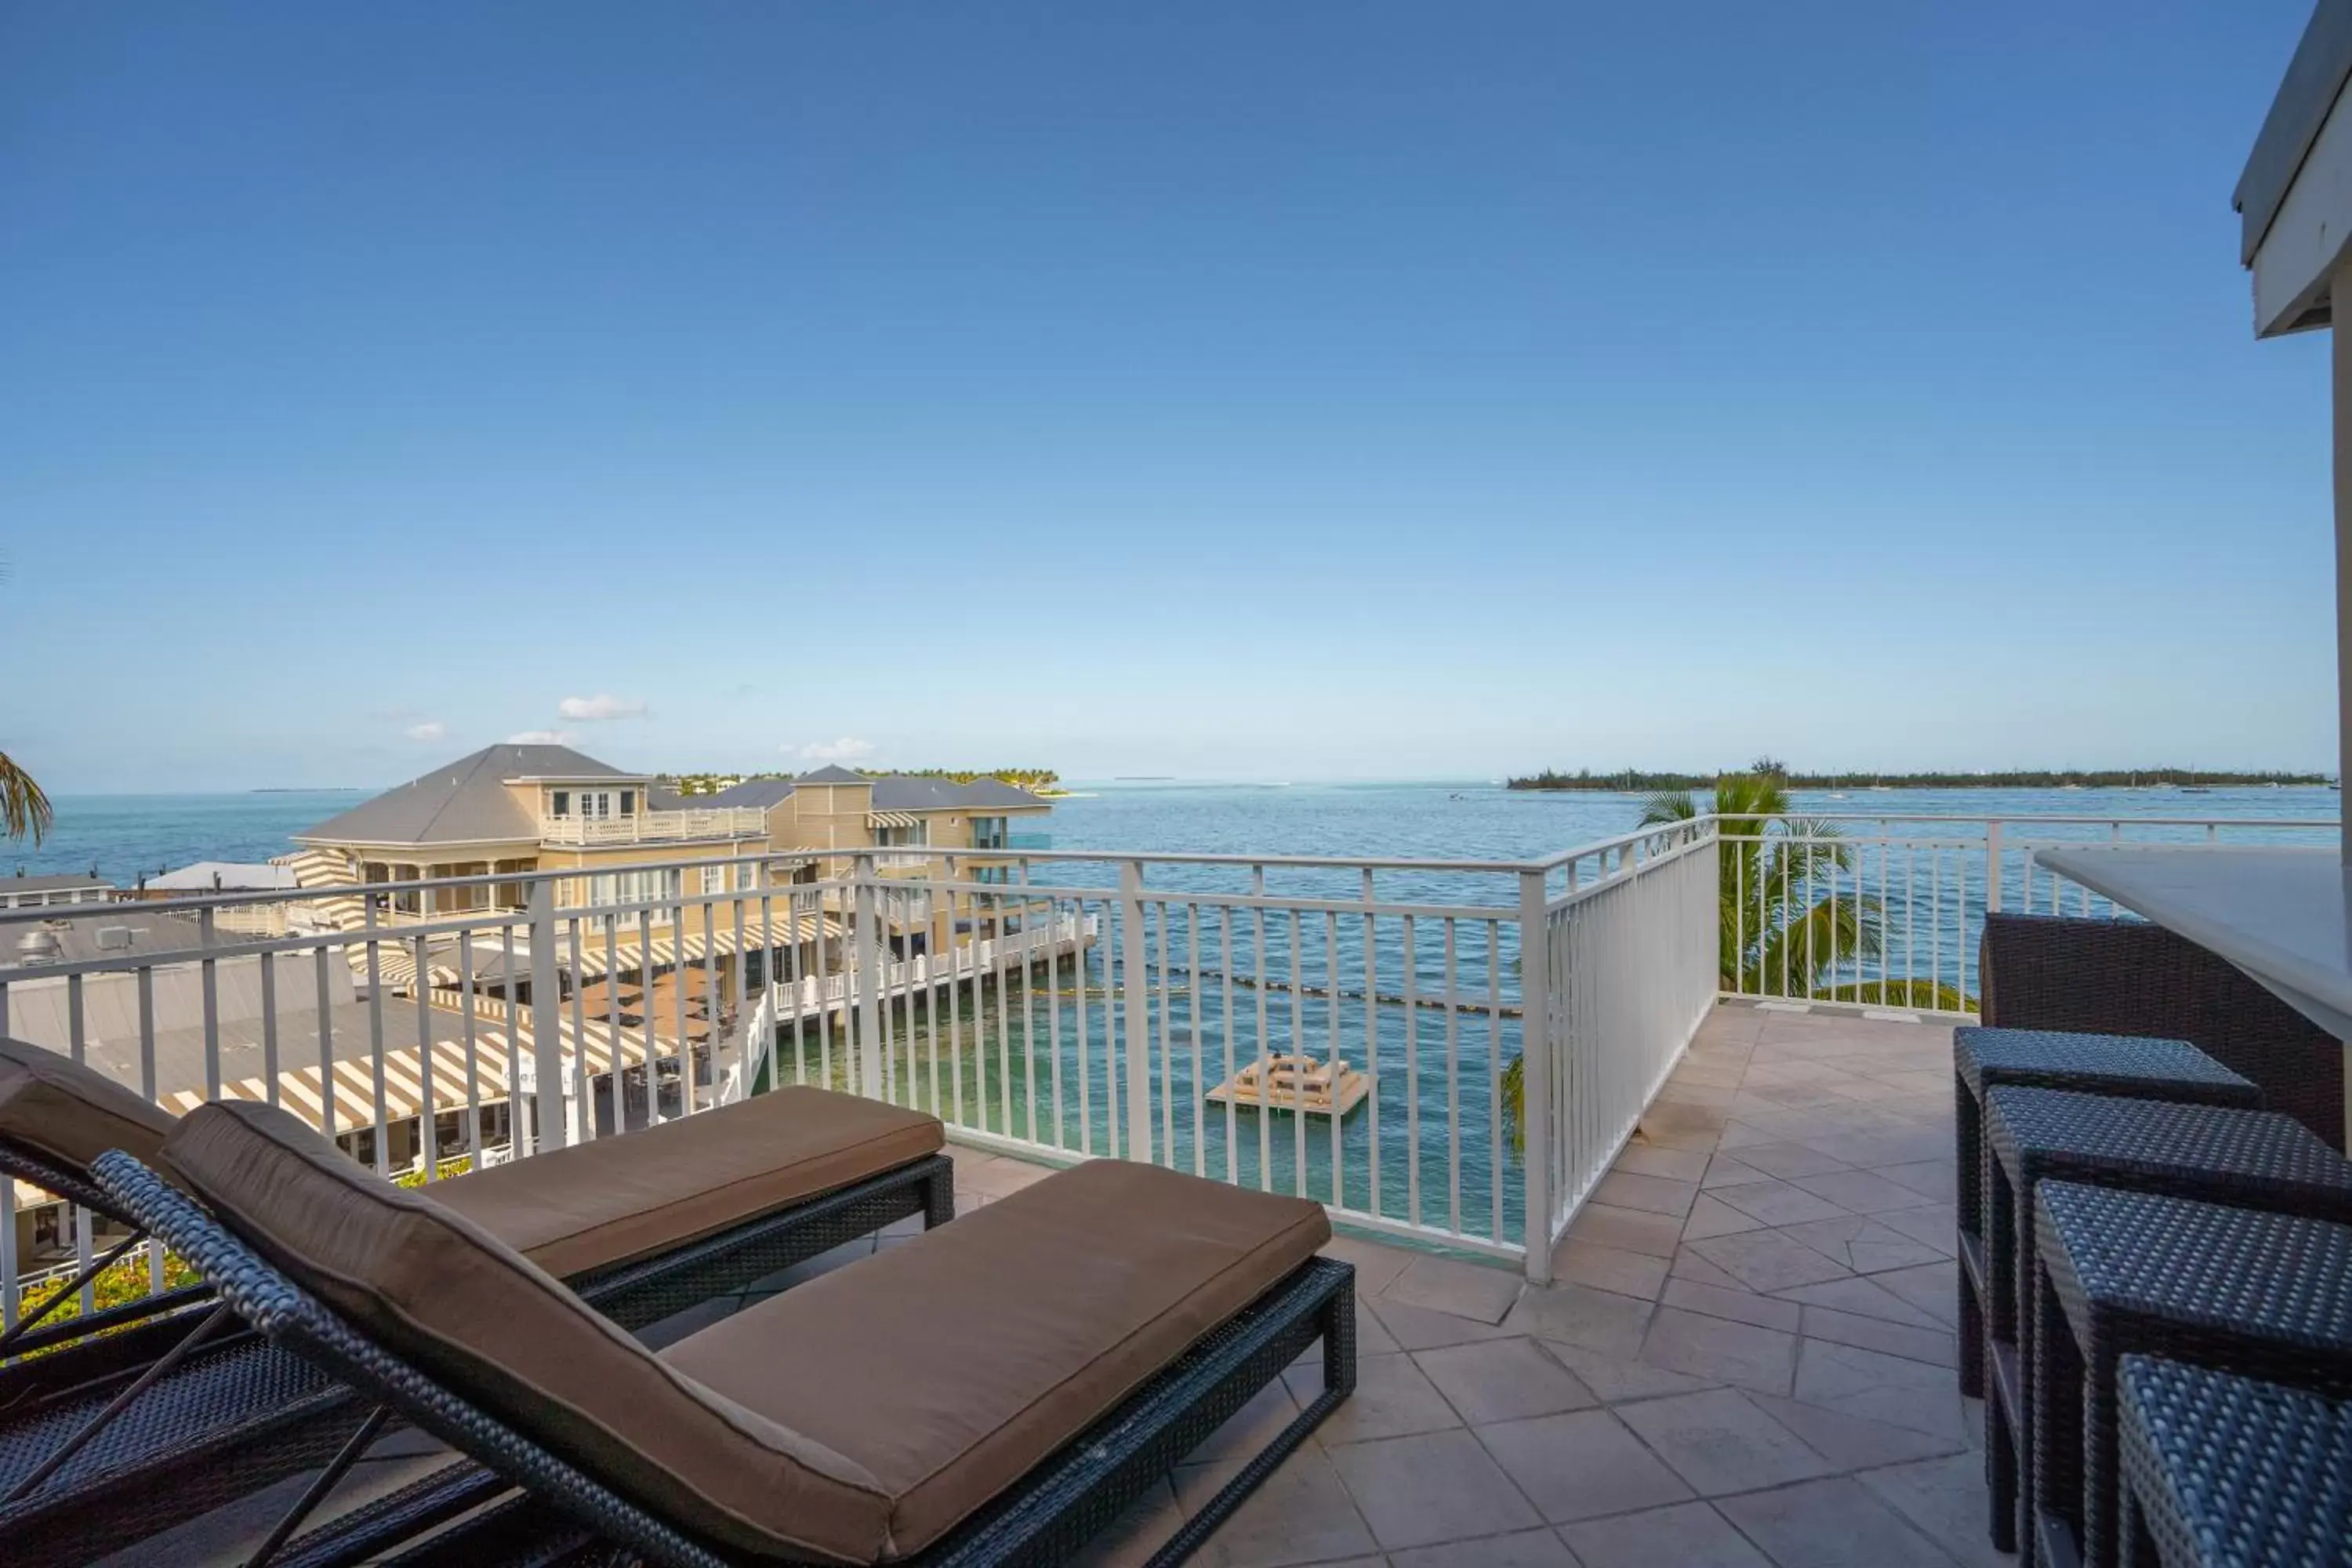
[891, 819]
[348, 1097]
[395, 961]
[345, 1099]
[629, 954]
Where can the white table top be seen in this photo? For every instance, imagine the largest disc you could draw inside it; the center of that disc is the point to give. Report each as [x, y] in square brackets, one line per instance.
[2282, 915]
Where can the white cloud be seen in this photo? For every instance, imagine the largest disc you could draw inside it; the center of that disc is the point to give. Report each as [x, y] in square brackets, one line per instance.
[541, 738]
[596, 709]
[431, 729]
[848, 749]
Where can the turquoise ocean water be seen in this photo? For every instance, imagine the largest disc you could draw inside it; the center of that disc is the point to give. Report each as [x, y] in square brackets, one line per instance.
[122, 836]
[1041, 1067]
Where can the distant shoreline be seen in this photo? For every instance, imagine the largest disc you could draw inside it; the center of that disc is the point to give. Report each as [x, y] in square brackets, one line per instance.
[2105, 778]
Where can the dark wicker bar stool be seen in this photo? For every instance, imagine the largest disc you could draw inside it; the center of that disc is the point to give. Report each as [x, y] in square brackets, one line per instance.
[2249, 1159]
[2133, 977]
[2227, 1472]
[2123, 1273]
[2128, 1067]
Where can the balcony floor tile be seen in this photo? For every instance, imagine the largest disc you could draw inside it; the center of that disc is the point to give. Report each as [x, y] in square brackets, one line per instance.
[1794, 1364]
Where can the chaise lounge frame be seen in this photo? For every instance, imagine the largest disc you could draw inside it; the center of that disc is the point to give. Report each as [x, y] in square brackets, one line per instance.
[187, 1410]
[564, 1515]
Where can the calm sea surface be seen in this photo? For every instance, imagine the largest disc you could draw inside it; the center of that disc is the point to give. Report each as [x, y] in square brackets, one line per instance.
[123, 836]
[1425, 1146]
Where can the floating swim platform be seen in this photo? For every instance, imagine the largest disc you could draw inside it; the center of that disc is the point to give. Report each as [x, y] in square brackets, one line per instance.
[1296, 1083]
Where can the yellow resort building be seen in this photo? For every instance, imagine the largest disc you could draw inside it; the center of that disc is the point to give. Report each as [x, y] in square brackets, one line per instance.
[655, 950]
[520, 809]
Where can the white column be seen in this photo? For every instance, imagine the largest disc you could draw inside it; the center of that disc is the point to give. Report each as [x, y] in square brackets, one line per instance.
[1137, 990]
[547, 1024]
[1534, 1072]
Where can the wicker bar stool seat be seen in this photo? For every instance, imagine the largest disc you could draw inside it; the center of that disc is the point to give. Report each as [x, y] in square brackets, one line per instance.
[2128, 1067]
[2227, 1472]
[2248, 1159]
[2124, 1273]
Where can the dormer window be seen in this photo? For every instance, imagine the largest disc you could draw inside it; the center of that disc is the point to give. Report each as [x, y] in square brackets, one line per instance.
[592, 804]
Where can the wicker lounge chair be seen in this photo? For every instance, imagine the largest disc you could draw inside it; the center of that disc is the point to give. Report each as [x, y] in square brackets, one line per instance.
[995, 1391]
[111, 1437]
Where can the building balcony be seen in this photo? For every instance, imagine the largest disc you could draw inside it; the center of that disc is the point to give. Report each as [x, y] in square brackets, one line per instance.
[654, 826]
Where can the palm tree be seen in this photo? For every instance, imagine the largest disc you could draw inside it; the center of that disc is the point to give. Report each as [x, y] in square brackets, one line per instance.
[1782, 931]
[24, 809]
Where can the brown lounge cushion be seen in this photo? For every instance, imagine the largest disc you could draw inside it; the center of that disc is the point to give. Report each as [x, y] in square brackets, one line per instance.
[572, 1211]
[590, 1206]
[855, 1418]
[53, 1105]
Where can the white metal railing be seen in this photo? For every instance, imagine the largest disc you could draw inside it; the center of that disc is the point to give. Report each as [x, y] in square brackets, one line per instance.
[1503, 1023]
[1630, 961]
[655, 826]
[1886, 910]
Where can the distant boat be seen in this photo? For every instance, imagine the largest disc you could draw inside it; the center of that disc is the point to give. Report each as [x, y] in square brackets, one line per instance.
[2195, 789]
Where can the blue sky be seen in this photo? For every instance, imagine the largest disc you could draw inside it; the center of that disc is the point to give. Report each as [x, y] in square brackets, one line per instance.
[1320, 390]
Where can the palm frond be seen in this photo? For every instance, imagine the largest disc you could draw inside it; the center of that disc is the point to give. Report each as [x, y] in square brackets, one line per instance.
[24, 809]
[1668, 805]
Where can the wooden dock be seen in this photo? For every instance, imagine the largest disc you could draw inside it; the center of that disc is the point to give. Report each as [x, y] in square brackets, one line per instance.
[1295, 1083]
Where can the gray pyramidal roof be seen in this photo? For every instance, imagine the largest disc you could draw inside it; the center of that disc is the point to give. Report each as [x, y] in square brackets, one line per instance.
[464, 802]
[758, 794]
[941, 794]
[834, 774]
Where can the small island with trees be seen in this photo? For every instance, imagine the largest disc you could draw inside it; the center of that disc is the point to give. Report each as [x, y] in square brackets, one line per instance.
[1041, 781]
[1639, 780]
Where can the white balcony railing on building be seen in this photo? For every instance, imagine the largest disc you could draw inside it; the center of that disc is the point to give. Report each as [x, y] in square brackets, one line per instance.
[655, 826]
[1508, 1021]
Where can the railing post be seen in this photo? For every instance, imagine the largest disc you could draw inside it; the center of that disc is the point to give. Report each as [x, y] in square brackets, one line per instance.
[1137, 992]
[1535, 1073]
[866, 975]
[546, 1023]
[1992, 873]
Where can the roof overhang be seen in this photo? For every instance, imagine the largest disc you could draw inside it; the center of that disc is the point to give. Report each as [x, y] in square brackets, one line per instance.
[414, 846]
[2295, 197]
[579, 778]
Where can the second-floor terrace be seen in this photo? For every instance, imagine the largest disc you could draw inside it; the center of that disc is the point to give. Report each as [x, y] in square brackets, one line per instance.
[652, 827]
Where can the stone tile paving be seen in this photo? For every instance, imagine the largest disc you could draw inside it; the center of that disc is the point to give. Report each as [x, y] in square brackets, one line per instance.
[1745, 1359]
